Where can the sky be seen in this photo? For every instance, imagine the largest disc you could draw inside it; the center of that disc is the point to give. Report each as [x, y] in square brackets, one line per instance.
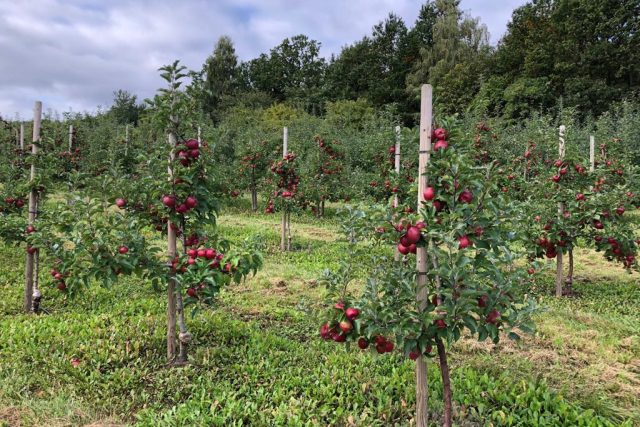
[73, 54]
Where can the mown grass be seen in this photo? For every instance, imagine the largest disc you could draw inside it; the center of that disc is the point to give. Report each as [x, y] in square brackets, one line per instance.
[256, 359]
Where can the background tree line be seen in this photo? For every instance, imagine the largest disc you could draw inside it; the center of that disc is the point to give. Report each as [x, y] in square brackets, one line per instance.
[580, 54]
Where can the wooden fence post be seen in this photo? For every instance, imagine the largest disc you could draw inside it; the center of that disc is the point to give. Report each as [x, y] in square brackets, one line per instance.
[28, 289]
[426, 118]
[559, 257]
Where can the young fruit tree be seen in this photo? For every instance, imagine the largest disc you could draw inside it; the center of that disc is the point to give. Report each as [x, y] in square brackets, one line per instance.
[568, 204]
[100, 239]
[285, 196]
[324, 168]
[464, 280]
[188, 205]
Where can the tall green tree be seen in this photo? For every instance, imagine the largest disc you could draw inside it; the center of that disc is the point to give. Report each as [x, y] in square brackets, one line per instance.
[456, 59]
[221, 74]
[293, 71]
[583, 52]
[125, 108]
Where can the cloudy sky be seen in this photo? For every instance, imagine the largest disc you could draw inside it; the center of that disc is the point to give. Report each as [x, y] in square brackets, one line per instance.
[72, 54]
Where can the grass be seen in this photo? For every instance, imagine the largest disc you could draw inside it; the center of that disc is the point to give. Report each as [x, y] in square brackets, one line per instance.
[256, 359]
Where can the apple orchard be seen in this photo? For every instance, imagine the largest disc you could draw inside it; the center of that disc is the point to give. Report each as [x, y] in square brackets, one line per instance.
[455, 227]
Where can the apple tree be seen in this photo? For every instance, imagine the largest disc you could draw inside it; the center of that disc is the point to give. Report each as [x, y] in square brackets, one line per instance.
[471, 286]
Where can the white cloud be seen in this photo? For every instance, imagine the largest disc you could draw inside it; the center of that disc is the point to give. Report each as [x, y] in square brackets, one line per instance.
[72, 54]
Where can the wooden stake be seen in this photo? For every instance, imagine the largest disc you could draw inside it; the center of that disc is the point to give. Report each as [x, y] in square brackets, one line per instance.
[171, 254]
[70, 138]
[22, 136]
[284, 228]
[397, 255]
[426, 118]
[559, 256]
[126, 140]
[592, 153]
[199, 136]
[28, 289]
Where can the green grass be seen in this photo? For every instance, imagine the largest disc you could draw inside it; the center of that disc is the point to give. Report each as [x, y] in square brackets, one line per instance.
[257, 360]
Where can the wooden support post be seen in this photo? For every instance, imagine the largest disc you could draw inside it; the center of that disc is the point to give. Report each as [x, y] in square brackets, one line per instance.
[28, 289]
[285, 219]
[559, 256]
[199, 136]
[21, 136]
[592, 153]
[70, 138]
[171, 254]
[126, 140]
[397, 255]
[426, 118]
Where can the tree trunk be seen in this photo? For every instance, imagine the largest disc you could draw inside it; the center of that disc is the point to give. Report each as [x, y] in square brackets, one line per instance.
[569, 279]
[254, 199]
[446, 382]
[36, 295]
[283, 232]
[322, 208]
[559, 267]
[184, 337]
[289, 231]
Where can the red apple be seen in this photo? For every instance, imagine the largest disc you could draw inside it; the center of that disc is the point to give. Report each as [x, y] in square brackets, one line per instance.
[413, 235]
[192, 292]
[440, 145]
[345, 326]
[482, 301]
[352, 313]
[123, 250]
[466, 196]
[363, 343]
[169, 201]
[464, 242]
[191, 202]
[439, 133]
[192, 144]
[429, 193]
[325, 331]
[121, 203]
[493, 316]
[404, 250]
